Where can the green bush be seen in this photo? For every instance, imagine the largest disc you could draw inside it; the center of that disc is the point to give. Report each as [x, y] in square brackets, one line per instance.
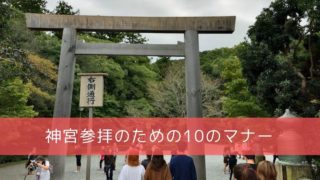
[7, 159]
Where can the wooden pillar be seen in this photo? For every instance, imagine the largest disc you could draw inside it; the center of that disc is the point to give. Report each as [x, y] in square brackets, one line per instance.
[63, 100]
[193, 89]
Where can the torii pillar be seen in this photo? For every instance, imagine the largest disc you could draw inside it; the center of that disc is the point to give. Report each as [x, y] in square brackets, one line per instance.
[190, 26]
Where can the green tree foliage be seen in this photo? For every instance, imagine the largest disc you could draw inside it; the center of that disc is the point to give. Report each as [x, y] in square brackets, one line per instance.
[45, 45]
[139, 108]
[38, 74]
[212, 61]
[237, 100]
[161, 66]
[29, 6]
[282, 59]
[14, 97]
[270, 78]
[42, 84]
[134, 38]
[224, 65]
[15, 32]
[117, 37]
[64, 8]
[4, 15]
[126, 85]
[13, 64]
[169, 95]
[111, 36]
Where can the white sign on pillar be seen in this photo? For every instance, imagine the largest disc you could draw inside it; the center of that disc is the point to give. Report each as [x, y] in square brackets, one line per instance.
[91, 89]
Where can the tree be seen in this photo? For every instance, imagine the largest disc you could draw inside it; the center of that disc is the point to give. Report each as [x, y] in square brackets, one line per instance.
[212, 61]
[115, 37]
[14, 97]
[138, 108]
[282, 45]
[64, 8]
[15, 33]
[161, 66]
[126, 85]
[42, 84]
[4, 16]
[169, 96]
[237, 100]
[37, 74]
[30, 6]
[134, 38]
[46, 46]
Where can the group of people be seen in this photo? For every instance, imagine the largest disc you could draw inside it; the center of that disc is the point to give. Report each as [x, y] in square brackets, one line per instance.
[255, 168]
[181, 167]
[154, 167]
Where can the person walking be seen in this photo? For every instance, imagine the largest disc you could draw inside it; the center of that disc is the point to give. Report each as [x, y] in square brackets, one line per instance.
[157, 169]
[266, 171]
[133, 170]
[101, 161]
[182, 166]
[226, 156]
[250, 160]
[145, 162]
[78, 162]
[275, 157]
[108, 166]
[232, 163]
[244, 172]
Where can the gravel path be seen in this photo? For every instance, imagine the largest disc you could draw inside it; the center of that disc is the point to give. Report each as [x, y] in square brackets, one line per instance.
[17, 172]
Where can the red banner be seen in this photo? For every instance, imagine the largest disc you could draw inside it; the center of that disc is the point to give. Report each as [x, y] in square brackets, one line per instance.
[194, 136]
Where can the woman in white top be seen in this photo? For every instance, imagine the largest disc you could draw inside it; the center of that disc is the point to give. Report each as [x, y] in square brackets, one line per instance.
[133, 170]
[42, 172]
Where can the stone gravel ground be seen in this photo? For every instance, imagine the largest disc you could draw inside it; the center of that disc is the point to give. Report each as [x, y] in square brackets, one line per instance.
[214, 169]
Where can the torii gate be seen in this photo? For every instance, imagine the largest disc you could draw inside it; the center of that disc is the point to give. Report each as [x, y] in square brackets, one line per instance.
[190, 26]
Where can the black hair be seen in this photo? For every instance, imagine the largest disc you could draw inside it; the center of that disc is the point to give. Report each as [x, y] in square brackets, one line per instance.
[157, 162]
[250, 157]
[42, 159]
[244, 172]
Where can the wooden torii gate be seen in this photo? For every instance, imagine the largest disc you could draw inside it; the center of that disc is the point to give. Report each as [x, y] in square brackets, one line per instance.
[190, 26]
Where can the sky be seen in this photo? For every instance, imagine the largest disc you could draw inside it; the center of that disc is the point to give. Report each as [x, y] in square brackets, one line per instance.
[244, 10]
